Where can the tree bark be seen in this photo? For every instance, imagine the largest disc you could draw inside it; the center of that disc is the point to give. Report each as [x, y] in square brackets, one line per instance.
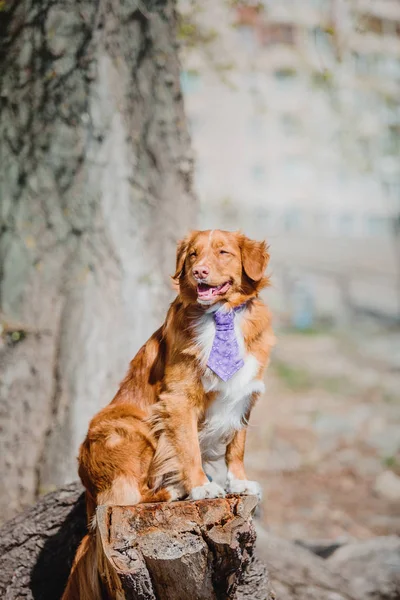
[96, 180]
[38, 546]
[197, 550]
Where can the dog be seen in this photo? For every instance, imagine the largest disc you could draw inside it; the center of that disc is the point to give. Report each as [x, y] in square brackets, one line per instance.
[188, 394]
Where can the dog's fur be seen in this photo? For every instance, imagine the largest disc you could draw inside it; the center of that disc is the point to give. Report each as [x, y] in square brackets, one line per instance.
[172, 413]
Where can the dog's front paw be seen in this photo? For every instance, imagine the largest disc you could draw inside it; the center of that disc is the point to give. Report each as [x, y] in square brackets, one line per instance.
[243, 486]
[175, 493]
[208, 490]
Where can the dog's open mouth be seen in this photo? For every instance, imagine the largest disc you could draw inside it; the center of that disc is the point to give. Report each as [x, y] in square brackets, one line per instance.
[208, 292]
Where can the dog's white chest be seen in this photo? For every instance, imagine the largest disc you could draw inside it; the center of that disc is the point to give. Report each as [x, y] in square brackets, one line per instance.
[227, 412]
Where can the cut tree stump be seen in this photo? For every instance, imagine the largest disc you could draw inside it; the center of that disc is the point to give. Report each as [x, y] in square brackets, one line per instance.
[183, 550]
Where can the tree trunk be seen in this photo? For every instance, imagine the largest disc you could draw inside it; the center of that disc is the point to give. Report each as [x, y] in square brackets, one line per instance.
[95, 173]
[191, 550]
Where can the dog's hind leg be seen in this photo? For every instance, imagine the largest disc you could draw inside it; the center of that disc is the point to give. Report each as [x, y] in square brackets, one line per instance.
[124, 491]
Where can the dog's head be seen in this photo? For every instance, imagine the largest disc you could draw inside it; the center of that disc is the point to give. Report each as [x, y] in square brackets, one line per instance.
[214, 266]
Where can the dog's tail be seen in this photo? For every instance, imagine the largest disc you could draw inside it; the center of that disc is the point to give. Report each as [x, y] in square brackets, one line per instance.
[84, 582]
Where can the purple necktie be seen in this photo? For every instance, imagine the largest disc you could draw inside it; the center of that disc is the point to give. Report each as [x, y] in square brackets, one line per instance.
[225, 359]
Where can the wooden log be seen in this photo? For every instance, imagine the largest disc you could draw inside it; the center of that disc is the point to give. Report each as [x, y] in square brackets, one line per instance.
[183, 550]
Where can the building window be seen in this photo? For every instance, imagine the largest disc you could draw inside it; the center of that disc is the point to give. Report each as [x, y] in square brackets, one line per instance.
[372, 24]
[285, 77]
[270, 34]
[378, 25]
[323, 42]
[247, 36]
[248, 15]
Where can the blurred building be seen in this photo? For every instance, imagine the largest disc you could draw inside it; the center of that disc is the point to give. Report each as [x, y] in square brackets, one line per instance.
[294, 110]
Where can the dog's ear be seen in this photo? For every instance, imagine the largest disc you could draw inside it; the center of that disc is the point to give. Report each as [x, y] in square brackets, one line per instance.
[181, 251]
[255, 258]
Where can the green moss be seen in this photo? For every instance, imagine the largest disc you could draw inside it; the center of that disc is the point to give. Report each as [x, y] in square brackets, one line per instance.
[335, 385]
[299, 379]
[186, 29]
[295, 378]
[323, 79]
[315, 330]
[391, 462]
[193, 35]
[390, 398]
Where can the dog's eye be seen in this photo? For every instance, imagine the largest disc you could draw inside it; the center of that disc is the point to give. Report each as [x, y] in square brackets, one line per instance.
[193, 253]
[223, 252]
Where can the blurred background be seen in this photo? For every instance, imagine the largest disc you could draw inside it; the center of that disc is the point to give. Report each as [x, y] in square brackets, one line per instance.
[294, 113]
[123, 125]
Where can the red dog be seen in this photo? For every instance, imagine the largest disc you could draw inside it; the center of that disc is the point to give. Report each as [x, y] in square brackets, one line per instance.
[188, 394]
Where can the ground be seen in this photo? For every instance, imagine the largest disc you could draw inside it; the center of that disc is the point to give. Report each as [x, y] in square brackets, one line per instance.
[326, 431]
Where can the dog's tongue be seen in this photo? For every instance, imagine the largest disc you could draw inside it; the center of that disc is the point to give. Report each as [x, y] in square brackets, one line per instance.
[204, 290]
[208, 291]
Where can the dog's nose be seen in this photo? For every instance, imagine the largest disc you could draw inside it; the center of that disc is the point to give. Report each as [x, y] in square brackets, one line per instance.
[201, 272]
